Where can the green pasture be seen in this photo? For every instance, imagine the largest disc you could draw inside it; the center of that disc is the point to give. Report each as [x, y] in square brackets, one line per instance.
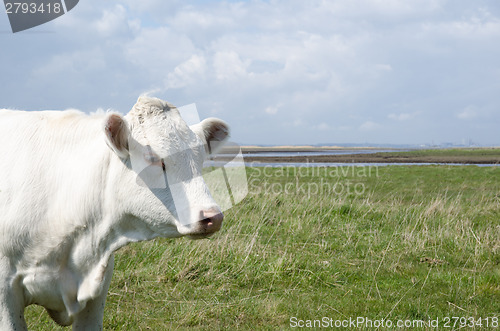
[475, 153]
[394, 243]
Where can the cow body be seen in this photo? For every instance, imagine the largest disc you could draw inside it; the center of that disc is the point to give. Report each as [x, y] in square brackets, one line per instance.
[70, 197]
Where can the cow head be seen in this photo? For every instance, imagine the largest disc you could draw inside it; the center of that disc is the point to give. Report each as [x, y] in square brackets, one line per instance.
[160, 182]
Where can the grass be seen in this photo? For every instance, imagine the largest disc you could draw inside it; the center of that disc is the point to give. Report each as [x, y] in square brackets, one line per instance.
[473, 151]
[396, 242]
[453, 152]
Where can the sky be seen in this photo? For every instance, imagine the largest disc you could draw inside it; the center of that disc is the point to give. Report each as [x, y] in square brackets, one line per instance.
[280, 72]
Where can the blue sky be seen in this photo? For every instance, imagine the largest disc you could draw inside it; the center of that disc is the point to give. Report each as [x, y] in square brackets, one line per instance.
[280, 72]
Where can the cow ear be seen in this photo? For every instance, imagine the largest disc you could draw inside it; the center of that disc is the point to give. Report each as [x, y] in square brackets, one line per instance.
[213, 132]
[116, 130]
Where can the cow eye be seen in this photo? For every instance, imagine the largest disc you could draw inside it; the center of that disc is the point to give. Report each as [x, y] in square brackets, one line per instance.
[152, 158]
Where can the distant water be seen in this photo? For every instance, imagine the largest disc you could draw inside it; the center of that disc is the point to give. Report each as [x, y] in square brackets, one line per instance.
[315, 153]
[322, 164]
[332, 164]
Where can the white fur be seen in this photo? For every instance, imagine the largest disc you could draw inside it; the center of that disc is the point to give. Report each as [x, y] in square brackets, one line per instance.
[68, 201]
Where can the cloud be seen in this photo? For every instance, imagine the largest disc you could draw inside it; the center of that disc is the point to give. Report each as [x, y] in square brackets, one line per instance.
[482, 24]
[468, 113]
[323, 126]
[263, 65]
[369, 126]
[187, 72]
[383, 67]
[91, 60]
[111, 21]
[229, 66]
[394, 9]
[271, 110]
[403, 116]
[158, 49]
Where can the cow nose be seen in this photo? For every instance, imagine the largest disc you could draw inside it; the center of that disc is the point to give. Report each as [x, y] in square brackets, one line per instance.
[211, 220]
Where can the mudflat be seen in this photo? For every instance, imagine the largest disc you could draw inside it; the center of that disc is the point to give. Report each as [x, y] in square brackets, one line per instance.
[446, 156]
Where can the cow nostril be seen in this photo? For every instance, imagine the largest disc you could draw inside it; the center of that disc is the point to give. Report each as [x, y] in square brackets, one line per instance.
[206, 220]
[211, 219]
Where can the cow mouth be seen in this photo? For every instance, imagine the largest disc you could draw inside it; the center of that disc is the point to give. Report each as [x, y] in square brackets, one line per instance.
[206, 227]
[199, 236]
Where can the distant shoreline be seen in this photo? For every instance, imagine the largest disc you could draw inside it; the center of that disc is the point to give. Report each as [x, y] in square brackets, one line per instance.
[305, 148]
[455, 156]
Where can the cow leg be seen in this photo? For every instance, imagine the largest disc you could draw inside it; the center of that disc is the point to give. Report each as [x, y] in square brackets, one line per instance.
[91, 317]
[11, 310]
[11, 300]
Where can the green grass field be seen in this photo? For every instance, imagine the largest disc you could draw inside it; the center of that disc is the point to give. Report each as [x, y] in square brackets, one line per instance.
[489, 153]
[396, 242]
[463, 152]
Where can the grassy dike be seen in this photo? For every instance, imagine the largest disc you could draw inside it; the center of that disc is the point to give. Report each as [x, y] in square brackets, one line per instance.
[392, 243]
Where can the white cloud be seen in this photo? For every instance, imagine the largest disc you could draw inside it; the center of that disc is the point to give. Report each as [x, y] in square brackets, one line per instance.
[369, 126]
[481, 25]
[385, 8]
[468, 113]
[295, 123]
[271, 110]
[229, 66]
[186, 73]
[323, 126]
[403, 116]
[158, 49]
[383, 67]
[157, 8]
[192, 19]
[111, 21]
[91, 60]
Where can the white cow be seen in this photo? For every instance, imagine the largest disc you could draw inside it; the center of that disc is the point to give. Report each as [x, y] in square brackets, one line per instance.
[70, 196]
